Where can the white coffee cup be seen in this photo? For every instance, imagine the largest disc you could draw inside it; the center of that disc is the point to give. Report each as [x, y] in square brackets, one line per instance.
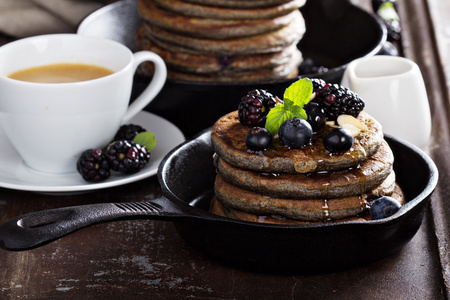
[51, 124]
[394, 94]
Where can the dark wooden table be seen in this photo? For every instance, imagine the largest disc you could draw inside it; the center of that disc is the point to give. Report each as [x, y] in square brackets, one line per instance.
[148, 259]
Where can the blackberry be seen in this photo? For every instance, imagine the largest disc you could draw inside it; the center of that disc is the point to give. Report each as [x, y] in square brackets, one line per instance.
[127, 157]
[93, 165]
[317, 83]
[255, 106]
[128, 132]
[316, 116]
[337, 100]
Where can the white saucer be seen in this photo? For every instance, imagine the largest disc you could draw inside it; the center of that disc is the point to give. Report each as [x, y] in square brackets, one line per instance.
[14, 174]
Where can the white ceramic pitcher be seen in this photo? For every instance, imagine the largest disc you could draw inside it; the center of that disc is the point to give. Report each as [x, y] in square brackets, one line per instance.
[394, 93]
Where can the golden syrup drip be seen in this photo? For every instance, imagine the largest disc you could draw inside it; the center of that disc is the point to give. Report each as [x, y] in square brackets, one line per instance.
[324, 189]
[362, 179]
[363, 204]
[263, 204]
[326, 210]
[315, 149]
[269, 175]
[261, 219]
[353, 154]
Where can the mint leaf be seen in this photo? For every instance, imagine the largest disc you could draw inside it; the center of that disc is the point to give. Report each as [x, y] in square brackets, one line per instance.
[146, 139]
[288, 104]
[299, 112]
[295, 96]
[276, 117]
[299, 92]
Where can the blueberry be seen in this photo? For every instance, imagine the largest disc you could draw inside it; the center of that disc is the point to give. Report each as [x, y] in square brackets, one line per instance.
[258, 138]
[338, 140]
[383, 207]
[295, 133]
[316, 116]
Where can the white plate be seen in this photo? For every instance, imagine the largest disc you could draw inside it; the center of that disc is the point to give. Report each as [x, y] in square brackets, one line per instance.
[14, 174]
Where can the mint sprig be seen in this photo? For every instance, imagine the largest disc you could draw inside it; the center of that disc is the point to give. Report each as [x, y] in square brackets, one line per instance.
[294, 98]
[146, 139]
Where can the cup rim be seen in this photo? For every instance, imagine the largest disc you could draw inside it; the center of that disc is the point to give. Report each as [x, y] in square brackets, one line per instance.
[54, 36]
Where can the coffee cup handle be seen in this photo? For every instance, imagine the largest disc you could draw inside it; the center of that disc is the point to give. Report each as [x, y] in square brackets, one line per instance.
[156, 84]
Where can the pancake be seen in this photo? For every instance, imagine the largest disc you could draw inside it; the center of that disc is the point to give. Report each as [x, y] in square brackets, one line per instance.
[263, 43]
[219, 209]
[355, 181]
[204, 64]
[222, 68]
[304, 210]
[217, 29]
[228, 138]
[229, 13]
[239, 3]
[248, 76]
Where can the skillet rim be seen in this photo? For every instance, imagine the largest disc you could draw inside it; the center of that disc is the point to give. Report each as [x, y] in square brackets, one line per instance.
[195, 212]
[130, 5]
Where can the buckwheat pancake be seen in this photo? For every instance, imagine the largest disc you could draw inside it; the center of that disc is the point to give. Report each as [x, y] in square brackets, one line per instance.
[264, 74]
[297, 209]
[322, 185]
[219, 209]
[263, 43]
[229, 13]
[142, 36]
[197, 63]
[248, 76]
[228, 137]
[212, 28]
[239, 3]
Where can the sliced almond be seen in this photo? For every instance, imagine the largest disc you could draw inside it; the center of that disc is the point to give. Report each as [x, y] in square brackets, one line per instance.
[332, 124]
[352, 128]
[348, 119]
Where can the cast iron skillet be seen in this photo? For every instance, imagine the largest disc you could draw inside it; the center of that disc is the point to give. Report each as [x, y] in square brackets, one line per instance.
[337, 32]
[187, 174]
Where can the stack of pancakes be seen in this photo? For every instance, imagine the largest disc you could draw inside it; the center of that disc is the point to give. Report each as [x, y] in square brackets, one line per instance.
[300, 186]
[223, 40]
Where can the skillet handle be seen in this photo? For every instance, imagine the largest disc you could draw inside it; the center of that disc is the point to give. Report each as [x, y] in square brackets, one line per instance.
[34, 229]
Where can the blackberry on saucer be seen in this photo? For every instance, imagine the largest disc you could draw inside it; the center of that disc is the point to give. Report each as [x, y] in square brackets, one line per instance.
[127, 157]
[128, 132]
[255, 106]
[93, 165]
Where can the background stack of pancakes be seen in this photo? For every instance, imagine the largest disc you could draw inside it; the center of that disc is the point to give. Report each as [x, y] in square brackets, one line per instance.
[300, 186]
[223, 40]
